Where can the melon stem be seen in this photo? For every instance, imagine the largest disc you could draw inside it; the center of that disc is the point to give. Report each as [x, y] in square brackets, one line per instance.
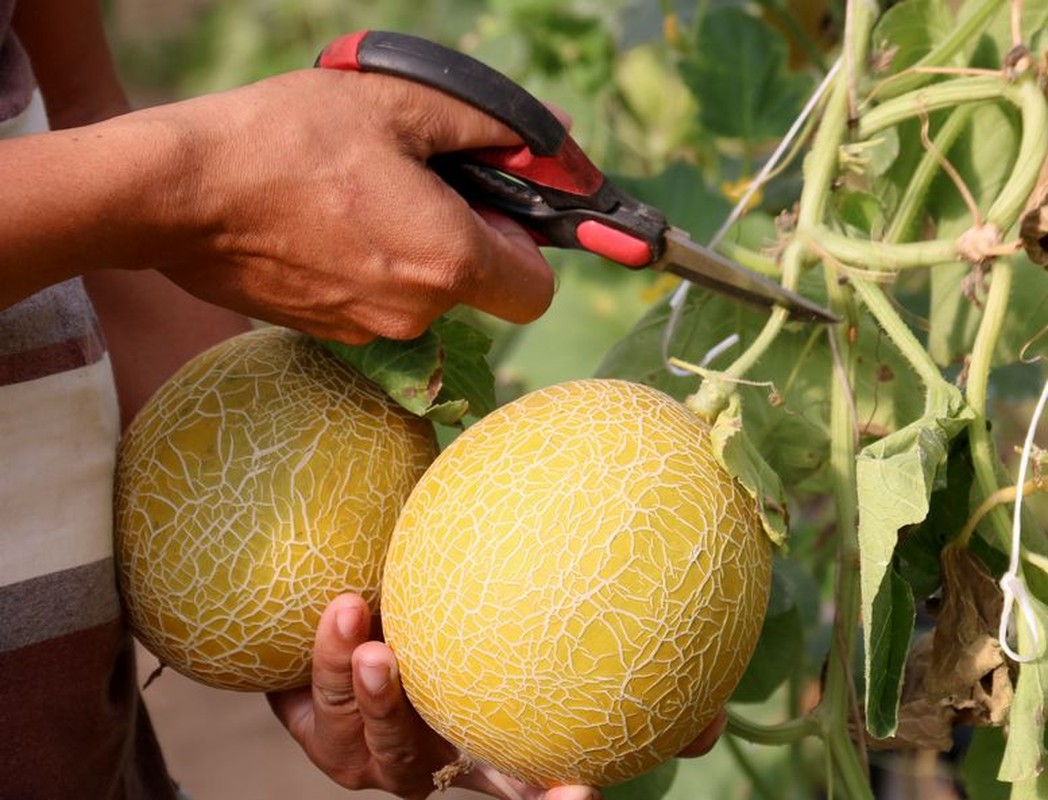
[788, 732]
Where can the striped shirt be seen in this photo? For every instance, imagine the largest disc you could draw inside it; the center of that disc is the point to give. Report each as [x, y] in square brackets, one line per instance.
[73, 724]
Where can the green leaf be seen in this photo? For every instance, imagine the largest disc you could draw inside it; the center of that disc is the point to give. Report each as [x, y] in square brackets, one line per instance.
[467, 375]
[1033, 788]
[882, 152]
[997, 39]
[737, 72]
[889, 630]
[981, 762]
[781, 646]
[442, 374]
[792, 435]
[919, 549]
[736, 454]
[955, 317]
[862, 212]
[913, 28]
[1025, 750]
[984, 157]
[649, 786]
[596, 303]
[895, 478]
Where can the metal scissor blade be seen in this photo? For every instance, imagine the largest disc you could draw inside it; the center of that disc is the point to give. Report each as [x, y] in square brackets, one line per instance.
[703, 266]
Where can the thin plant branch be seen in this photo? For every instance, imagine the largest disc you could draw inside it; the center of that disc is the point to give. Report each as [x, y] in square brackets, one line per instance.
[951, 171]
[1006, 494]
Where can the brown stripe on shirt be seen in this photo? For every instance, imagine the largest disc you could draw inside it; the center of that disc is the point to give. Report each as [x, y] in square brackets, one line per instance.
[57, 604]
[50, 359]
[53, 331]
[85, 738]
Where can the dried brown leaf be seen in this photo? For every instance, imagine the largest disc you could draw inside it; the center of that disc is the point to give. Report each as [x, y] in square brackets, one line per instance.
[1033, 230]
[964, 647]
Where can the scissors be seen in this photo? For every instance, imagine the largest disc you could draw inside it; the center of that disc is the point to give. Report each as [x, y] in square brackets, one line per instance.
[548, 184]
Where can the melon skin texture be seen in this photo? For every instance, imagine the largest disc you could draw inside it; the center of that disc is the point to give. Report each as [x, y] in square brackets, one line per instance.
[575, 587]
[263, 479]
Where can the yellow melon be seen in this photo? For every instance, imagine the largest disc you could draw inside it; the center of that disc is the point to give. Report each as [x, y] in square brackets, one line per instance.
[259, 482]
[575, 587]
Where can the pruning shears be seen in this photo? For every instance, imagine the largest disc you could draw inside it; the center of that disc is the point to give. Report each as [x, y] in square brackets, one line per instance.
[548, 184]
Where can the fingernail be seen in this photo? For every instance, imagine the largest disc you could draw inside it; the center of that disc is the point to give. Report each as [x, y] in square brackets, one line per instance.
[375, 677]
[347, 620]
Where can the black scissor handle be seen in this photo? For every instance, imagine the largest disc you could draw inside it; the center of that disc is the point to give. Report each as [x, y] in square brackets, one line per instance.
[561, 196]
[458, 74]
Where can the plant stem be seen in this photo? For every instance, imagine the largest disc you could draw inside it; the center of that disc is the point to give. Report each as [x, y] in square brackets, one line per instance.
[788, 732]
[902, 337]
[836, 704]
[856, 786]
[1006, 495]
[819, 170]
[836, 701]
[1025, 94]
[882, 256]
[751, 259]
[984, 457]
[949, 94]
[942, 53]
[1032, 152]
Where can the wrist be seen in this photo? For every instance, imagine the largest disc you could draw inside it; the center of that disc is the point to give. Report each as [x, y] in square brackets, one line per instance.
[98, 196]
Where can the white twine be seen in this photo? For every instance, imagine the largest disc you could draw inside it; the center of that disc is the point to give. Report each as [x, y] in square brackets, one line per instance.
[1012, 584]
[681, 292]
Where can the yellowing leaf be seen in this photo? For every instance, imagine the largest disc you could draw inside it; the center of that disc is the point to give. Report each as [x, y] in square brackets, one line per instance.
[736, 453]
[895, 478]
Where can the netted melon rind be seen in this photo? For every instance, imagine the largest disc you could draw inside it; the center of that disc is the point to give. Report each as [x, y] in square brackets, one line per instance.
[575, 587]
[263, 479]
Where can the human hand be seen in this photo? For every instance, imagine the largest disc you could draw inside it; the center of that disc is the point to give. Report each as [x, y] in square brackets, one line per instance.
[306, 200]
[357, 726]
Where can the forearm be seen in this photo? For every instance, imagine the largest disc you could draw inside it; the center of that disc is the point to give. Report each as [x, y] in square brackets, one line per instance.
[84, 199]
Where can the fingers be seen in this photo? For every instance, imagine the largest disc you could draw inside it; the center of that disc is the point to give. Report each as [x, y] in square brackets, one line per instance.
[517, 282]
[322, 717]
[344, 626]
[705, 741]
[447, 124]
[514, 281]
[393, 730]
